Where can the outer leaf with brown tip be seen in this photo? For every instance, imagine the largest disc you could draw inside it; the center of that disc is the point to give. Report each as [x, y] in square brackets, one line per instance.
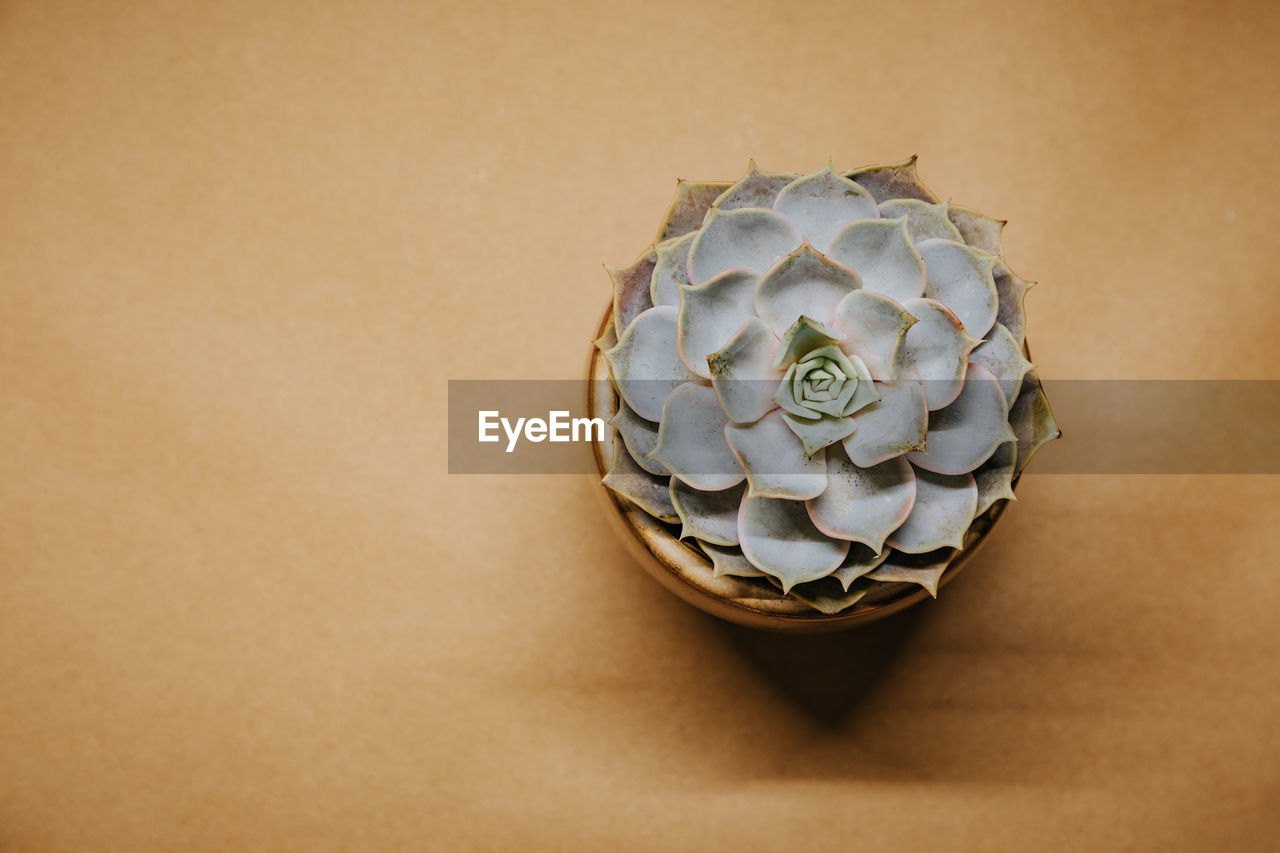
[995, 477]
[892, 180]
[608, 339]
[757, 189]
[860, 560]
[688, 207]
[1012, 291]
[670, 270]
[637, 485]
[977, 229]
[707, 516]
[631, 290]
[1032, 420]
[1002, 355]
[827, 595]
[640, 437]
[729, 561]
[927, 576]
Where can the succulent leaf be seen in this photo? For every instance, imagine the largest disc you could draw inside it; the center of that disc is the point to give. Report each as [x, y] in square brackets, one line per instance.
[803, 284]
[777, 464]
[631, 290]
[872, 326]
[827, 596]
[995, 477]
[645, 364]
[977, 229]
[925, 221]
[691, 441]
[756, 189]
[863, 504]
[640, 437]
[890, 427]
[729, 561]
[779, 538]
[711, 313]
[943, 510]
[751, 238]
[821, 204]
[608, 338]
[860, 561]
[742, 372]
[892, 180]
[670, 270]
[935, 352]
[637, 485]
[1013, 292]
[880, 251]
[1001, 354]
[710, 517]
[964, 434]
[960, 278]
[804, 336]
[928, 576]
[817, 433]
[688, 208]
[1032, 420]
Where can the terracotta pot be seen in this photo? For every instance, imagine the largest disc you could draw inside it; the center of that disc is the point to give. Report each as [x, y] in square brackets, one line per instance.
[683, 569]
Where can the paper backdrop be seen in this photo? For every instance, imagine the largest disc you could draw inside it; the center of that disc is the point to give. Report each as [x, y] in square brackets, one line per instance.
[243, 247]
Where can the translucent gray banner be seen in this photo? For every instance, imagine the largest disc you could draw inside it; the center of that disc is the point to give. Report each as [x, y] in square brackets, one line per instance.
[1109, 427]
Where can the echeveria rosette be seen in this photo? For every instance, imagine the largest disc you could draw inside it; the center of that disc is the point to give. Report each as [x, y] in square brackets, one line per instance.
[823, 379]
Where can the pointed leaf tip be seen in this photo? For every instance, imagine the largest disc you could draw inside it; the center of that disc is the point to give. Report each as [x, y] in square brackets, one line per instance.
[688, 207]
[893, 180]
[779, 538]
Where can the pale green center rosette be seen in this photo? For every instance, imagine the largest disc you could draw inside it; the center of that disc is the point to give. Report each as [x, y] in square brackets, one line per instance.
[819, 393]
[822, 379]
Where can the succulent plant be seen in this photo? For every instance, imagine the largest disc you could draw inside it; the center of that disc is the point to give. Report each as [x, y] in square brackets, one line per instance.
[822, 379]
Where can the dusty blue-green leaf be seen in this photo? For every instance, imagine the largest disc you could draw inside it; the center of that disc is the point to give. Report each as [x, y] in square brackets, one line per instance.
[944, 508]
[778, 538]
[823, 203]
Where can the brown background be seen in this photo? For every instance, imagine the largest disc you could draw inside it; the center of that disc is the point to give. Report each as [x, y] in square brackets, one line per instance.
[242, 604]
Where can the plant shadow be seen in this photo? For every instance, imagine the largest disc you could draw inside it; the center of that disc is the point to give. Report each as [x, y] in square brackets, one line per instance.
[826, 676]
